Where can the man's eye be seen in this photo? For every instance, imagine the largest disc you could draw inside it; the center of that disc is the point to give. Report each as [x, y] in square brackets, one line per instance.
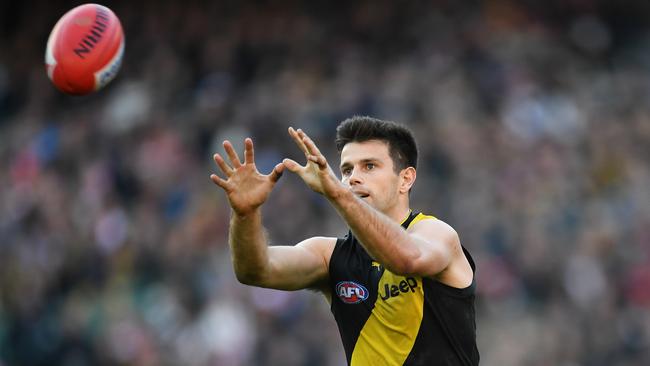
[346, 171]
[370, 166]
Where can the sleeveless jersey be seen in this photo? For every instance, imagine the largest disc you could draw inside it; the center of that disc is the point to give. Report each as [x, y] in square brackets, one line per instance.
[388, 319]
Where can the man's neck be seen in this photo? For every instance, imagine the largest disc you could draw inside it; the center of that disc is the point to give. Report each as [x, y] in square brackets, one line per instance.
[399, 215]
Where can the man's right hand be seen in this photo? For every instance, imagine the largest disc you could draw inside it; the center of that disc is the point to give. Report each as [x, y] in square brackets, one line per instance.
[246, 188]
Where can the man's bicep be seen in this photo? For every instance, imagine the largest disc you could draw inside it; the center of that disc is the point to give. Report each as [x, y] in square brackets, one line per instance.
[437, 242]
[304, 265]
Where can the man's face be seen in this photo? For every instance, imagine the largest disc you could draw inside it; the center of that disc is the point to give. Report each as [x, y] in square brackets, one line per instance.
[367, 168]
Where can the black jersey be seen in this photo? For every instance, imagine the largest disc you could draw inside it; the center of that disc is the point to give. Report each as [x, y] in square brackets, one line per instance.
[387, 319]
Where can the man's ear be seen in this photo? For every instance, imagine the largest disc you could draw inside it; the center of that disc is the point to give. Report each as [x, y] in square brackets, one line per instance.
[407, 176]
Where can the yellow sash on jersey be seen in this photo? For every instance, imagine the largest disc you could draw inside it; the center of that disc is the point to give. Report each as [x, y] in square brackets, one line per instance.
[389, 333]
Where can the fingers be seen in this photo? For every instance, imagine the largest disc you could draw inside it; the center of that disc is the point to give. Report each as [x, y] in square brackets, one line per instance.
[232, 154]
[319, 160]
[298, 139]
[222, 165]
[313, 153]
[249, 155]
[225, 169]
[220, 182]
[277, 172]
[291, 165]
[310, 144]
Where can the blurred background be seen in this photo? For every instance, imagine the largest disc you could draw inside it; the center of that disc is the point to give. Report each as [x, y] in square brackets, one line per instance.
[533, 121]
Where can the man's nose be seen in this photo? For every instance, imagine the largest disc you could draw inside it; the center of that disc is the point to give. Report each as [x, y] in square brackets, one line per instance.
[355, 177]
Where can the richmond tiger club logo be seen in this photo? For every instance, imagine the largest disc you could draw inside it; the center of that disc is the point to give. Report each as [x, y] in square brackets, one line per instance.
[351, 292]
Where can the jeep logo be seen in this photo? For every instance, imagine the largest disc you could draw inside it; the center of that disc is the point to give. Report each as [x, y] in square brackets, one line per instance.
[406, 285]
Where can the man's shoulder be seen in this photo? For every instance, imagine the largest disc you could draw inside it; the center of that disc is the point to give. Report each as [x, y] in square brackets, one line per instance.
[422, 217]
[430, 225]
[323, 245]
[429, 220]
[319, 241]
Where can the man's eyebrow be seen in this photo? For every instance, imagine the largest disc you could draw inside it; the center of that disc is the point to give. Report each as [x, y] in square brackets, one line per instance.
[363, 161]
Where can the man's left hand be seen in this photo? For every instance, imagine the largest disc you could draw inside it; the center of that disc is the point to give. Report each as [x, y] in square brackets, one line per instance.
[316, 173]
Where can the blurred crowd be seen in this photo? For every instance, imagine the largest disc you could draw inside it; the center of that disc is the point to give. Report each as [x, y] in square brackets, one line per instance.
[533, 122]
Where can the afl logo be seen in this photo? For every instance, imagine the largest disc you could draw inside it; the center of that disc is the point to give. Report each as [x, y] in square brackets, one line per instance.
[351, 292]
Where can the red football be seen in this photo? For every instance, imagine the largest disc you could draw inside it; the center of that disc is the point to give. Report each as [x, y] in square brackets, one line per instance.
[84, 50]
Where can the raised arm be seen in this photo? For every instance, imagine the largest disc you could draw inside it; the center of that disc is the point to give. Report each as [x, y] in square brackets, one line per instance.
[429, 248]
[304, 265]
[255, 263]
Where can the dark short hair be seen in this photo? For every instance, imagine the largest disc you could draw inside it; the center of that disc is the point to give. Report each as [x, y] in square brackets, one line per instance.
[401, 144]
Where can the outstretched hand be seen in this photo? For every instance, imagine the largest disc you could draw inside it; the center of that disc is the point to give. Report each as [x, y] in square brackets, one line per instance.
[316, 173]
[245, 186]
